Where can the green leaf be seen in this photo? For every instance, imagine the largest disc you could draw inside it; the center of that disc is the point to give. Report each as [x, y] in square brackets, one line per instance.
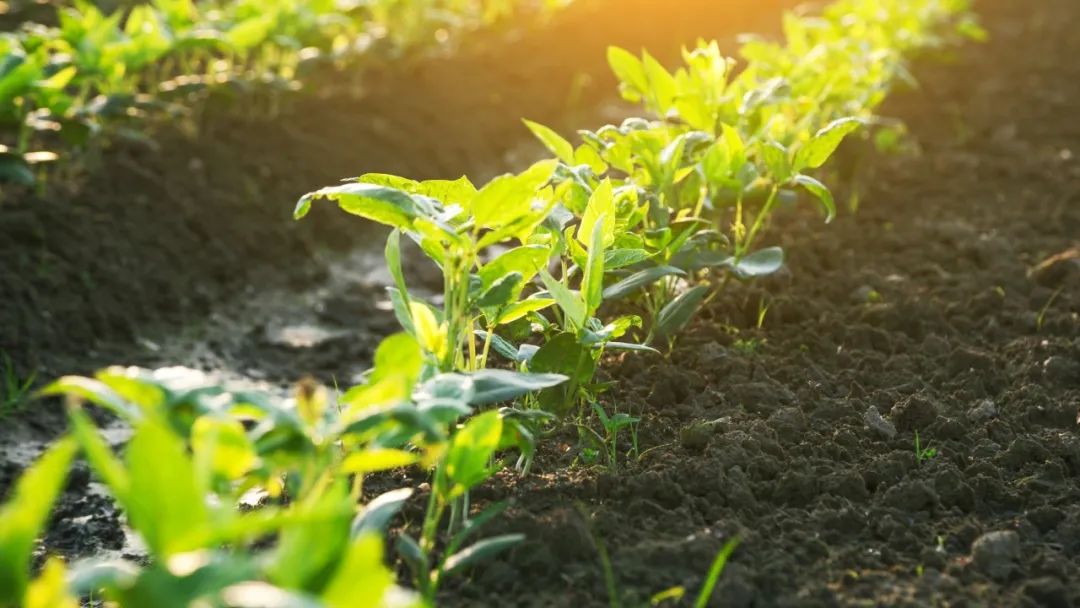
[413, 555]
[821, 193]
[392, 253]
[678, 312]
[429, 332]
[502, 292]
[380, 204]
[592, 284]
[164, 503]
[715, 571]
[251, 32]
[776, 161]
[518, 310]
[25, 514]
[820, 148]
[601, 204]
[630, 72]
[480, 551]
[508, 198]
[500, 344]
[562, 149]
[222, 448]
[398, 354]
[374, 460]
[95, 392]
[526, 260]
[615, 259]
[499, 385]
[569, 301]
[361, 579]
[377, 513]
[630, 346]
[760, 263]
[639, 279]
[470, 451]
[307, 552]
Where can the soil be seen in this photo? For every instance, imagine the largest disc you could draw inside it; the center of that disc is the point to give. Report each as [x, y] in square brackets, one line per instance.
[948, 306]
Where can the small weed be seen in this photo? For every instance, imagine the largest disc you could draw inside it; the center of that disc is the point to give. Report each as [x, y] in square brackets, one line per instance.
[16, 390]
[1041, 319]
[923, 453]
[748, 346]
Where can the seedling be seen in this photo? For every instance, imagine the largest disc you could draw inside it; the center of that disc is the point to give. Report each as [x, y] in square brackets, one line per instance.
[611, 426]
[16, 391]
[923, 453]
[1041, 319]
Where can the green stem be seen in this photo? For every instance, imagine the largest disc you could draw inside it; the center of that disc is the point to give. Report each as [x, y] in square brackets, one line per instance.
[759, 221]
[489, 333]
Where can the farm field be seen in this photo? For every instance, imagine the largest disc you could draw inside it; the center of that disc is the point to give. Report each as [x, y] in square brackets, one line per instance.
[817, 344]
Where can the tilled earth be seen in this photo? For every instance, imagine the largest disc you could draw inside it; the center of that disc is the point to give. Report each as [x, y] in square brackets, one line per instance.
[947, 306]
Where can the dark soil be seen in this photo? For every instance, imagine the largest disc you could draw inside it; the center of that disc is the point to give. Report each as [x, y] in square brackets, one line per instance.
[949, 305]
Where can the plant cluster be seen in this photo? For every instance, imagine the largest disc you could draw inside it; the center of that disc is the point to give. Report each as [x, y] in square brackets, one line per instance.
[658, 212]
[198, 451]
[98, 73]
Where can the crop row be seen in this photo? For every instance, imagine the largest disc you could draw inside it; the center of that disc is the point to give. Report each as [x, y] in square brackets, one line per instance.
[658, 213]
[97, 75]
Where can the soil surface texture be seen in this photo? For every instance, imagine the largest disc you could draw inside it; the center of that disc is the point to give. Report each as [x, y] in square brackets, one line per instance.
[948, 306]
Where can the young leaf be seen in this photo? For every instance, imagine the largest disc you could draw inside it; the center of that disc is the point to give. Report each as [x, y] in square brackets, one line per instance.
[500, 385]
[164, 503]
[470, 451]
[819, 149]
[526, 260]
[50, 589]
[601, 204]
[377, 513]
[518, 310]
[639, 279]
[479, 552]
[398, 355]
[361, 579]
[630, 72]
[592, 284]
[500, 344]
[25, 514]
[562, 149]
[760, 263]
[570, 302]
[392, 253]
[374, 460]
[377, 203]
[430, 334]
[821, 193]
[679, 311]
[508, 198]
[715, 571]
[502, 292]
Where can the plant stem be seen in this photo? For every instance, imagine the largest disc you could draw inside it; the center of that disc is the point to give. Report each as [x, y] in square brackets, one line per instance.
[759, 221]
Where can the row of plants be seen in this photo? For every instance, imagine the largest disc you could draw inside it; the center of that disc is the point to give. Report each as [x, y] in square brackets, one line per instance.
[650, 218]
[98, 75]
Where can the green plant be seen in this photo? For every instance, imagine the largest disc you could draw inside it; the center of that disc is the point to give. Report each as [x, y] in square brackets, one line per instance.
[611, 426]
[100, 75]
[15, 391]
[923, 452]
[1041, 318]
[198, 449]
